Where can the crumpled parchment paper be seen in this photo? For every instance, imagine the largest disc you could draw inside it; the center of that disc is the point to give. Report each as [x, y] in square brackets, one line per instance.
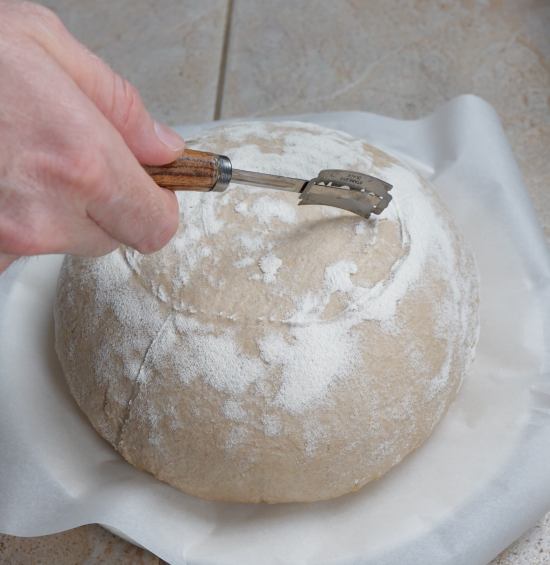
[477, 483]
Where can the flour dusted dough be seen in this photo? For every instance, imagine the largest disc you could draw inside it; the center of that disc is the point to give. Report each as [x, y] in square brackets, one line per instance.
[272, 353]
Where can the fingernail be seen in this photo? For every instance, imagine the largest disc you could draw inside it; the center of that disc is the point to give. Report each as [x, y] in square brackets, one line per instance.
[169, 137]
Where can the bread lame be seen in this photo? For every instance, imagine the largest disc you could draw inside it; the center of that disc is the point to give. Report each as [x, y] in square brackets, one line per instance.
[355, 192]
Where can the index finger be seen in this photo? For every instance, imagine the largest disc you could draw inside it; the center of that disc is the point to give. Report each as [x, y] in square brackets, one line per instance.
[119, 101]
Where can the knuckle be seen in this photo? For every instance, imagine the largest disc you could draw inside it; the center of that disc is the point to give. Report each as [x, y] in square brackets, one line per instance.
[40, 16]
[126, 104]
[38, 24]
[64, 170]
[85, 171]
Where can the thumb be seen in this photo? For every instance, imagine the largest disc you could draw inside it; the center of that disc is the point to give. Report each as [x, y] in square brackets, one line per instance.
[151, 142]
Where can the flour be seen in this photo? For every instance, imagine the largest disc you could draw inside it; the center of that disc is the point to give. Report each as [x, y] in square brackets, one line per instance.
[337, 276]
[319, 352]
[234, 411]
[250, 242]
[272, 424]
[308, 341]
[367, 228]
[266, 209]
[241, 208]
[269, 265]
[244, 262]
[318, 355]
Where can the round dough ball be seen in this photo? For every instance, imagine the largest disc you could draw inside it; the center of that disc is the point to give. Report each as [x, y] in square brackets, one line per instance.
[270, 352]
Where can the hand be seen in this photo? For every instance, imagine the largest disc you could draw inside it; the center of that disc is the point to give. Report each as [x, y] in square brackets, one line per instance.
[72, 135]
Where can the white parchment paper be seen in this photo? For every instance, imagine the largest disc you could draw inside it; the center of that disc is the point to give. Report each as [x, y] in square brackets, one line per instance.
[480, 480]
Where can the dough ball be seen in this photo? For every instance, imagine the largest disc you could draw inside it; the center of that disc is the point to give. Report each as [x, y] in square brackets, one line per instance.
[270, 352]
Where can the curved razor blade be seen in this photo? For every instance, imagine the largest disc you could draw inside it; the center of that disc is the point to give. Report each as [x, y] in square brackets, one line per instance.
[348, 190]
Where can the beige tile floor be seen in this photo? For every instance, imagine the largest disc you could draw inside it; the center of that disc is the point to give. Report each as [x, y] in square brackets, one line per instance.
[196, 60]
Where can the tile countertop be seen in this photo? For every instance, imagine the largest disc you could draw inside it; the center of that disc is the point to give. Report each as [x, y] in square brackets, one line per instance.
[197, 60]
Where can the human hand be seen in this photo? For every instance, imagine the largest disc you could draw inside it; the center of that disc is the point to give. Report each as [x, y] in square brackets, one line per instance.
[72, 135]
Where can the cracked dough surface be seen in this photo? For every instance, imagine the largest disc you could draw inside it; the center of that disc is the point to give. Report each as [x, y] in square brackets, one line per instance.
[275, 353]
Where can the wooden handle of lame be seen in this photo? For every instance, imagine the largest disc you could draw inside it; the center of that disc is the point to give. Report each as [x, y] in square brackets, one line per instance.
[194, 170]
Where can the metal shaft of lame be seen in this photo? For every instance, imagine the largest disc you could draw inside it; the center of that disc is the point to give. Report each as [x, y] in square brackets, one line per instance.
[268, 181]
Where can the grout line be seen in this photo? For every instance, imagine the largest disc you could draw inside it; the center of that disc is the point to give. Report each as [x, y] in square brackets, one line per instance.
[223, 62]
